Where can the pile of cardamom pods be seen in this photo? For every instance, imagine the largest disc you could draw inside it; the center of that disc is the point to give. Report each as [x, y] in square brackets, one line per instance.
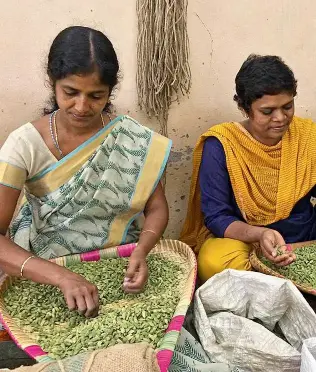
[41, 310]
[303, 270]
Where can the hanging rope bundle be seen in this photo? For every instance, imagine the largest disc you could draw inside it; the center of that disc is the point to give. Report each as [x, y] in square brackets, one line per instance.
[163, 70]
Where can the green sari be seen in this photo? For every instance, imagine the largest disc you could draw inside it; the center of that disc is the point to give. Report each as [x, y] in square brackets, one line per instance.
[95, 196]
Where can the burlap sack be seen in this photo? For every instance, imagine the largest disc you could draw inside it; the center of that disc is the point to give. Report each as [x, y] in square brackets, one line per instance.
[118, 358]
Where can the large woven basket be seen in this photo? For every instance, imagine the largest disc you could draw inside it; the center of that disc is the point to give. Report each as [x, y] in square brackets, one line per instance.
[258, 265]
[170, 249]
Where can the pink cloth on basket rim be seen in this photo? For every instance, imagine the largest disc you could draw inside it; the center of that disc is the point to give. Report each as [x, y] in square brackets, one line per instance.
[164, 359]
[176, 323]
[90, 256]
[126, 250]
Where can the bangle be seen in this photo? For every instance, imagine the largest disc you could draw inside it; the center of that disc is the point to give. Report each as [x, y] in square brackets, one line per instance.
[23, 264]
[151, 231]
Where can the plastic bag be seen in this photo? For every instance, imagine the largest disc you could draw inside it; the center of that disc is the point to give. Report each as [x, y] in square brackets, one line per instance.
[236, 312]
[308, 363]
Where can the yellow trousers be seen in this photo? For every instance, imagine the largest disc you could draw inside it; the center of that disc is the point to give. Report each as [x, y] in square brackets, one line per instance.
[218, 254]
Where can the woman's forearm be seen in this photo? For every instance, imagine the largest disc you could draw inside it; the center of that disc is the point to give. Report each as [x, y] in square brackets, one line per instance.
[36, 269]
[242, 231]
[154, 226]
[156, 220]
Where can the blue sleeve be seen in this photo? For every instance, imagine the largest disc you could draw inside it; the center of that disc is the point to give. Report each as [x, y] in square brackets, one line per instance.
[217, 200]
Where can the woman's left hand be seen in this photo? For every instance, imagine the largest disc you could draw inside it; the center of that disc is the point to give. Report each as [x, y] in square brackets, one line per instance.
[136, 274]
[269, 241]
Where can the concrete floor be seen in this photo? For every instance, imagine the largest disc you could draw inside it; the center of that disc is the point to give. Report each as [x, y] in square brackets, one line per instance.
[12, 357]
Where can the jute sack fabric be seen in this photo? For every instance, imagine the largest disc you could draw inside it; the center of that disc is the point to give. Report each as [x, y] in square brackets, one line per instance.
[119, 358]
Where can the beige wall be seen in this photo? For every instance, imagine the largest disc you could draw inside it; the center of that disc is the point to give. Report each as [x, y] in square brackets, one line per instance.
[222, 34]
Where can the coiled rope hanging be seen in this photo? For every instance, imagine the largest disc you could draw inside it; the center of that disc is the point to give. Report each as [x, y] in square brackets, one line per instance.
[163, 71]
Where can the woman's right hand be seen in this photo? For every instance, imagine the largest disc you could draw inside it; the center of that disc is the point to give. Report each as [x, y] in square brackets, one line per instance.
[80, 294]
[269, 241]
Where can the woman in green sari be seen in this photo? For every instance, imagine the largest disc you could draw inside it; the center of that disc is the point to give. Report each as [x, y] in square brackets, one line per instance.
[91, 180]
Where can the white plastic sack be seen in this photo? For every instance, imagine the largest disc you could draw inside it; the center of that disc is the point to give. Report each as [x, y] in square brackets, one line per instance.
[227, 304]
[309, 355]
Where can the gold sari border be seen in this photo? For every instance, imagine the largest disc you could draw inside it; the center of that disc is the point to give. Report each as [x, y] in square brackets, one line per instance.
[148, 179]
[12, 176]
[50, 180]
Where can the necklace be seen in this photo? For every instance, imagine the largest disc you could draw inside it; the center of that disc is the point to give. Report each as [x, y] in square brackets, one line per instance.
[54, 133]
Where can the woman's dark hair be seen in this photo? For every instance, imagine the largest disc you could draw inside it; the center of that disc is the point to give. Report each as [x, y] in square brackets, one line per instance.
[81, 50]
[260, 75]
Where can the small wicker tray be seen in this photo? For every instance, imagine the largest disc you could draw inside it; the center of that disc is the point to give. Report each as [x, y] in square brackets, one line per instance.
[170, 249]
[256, 254]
